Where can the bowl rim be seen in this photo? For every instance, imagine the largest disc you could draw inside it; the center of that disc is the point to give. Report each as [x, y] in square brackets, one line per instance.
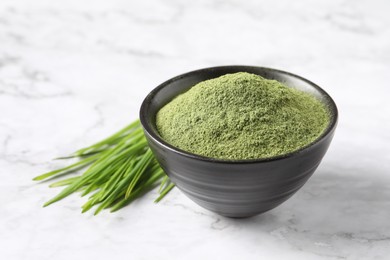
[156, 137]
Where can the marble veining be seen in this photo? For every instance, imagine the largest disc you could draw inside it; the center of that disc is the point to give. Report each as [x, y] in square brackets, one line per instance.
[72, 72]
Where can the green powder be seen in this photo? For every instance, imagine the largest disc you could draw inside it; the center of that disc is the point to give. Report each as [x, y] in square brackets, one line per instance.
[242, 116]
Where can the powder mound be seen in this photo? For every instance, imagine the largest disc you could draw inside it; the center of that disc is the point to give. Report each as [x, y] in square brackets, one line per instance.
[242, 116]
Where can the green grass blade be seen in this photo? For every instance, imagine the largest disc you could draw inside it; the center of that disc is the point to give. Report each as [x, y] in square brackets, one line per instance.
[163, 183]
[64, 182]
[144, 164]
[72, 167]
[164, 192]
[149, 184]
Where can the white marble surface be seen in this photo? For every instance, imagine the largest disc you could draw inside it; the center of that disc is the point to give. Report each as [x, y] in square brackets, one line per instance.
[73, 71]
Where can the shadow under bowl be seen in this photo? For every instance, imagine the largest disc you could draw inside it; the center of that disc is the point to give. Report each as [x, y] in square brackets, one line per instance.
[235, 188]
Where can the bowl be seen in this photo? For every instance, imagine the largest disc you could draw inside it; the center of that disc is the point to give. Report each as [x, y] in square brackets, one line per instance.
[235, 188]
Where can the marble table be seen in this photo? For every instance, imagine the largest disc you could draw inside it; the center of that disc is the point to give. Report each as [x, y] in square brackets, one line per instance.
[72, 72]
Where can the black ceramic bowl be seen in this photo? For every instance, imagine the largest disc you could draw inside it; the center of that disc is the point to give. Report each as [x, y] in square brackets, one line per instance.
[239, 188]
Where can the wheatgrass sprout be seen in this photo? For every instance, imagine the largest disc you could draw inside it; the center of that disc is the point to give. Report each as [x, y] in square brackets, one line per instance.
[117, 170]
